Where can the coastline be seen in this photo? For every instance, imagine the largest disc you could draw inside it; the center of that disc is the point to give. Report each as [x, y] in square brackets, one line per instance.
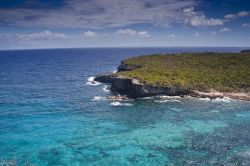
[133, 87]
[216, 94]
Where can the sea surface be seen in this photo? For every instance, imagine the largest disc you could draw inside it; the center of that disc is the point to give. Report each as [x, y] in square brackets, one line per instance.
[53, 114]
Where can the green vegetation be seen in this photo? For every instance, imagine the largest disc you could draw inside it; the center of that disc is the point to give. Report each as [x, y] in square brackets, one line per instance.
[227, 72]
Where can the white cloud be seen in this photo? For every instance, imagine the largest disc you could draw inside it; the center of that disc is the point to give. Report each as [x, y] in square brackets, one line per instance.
[213, 33]
[126, 32]
[89, 34]
[33, 37]
[203, 21]
[225, 30]
[171, 36]
[144, 34]
[237, 15]
[196, 34]
[230, 16]
[45, 35]
[197, 19]
[246, 25]
[243, 14]
[131, 32]
[189, 10]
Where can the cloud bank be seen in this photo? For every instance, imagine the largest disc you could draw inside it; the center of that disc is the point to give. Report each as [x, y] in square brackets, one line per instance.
[108, 13]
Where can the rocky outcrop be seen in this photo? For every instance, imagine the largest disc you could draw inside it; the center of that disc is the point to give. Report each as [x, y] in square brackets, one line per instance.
[126, 67]
[104, 78]
[133, 88]
[245, 51]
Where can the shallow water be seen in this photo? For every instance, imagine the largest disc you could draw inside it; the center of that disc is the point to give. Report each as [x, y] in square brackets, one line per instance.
[52, 113]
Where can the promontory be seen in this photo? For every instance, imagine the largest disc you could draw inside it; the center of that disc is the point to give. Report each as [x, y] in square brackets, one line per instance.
[208, 74]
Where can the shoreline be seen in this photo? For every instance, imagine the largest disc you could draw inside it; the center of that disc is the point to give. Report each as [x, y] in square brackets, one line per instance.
[216, 94]
[135, 85]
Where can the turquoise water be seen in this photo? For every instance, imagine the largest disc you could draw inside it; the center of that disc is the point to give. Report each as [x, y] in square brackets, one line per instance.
[51, 114]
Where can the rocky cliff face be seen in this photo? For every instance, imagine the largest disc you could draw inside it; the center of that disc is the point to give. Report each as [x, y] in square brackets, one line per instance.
[133, 88]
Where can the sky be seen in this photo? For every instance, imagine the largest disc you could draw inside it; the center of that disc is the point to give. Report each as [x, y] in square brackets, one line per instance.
[31, 24]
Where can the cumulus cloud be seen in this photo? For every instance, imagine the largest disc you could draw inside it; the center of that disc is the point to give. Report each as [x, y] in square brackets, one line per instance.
[144, 34]
[197, 19]
[45, 35]
[230, 16]
[126, 32]
[131, 32]
[203, 21]
[108, 13]
[243, 14]
[236, 15]
[89, 34]
[246, 25]
[225, 30]
[33, 37]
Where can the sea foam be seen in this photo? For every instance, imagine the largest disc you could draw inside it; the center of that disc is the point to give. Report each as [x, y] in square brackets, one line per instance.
[167, 100]
[224, 99]
[116, 103]
[92, 82]
[98, 98]
[106, 88]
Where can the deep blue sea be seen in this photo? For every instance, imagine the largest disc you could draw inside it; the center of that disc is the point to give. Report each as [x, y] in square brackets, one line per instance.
[51, 114]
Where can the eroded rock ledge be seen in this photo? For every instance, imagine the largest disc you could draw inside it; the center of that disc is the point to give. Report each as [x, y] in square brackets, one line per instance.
[133, 88]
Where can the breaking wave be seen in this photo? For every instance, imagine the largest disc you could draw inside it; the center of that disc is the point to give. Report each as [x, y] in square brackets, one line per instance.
[224, 99]
[164, 101]
[92, 82]
[106, 88]
[98, 98]
[116, 103]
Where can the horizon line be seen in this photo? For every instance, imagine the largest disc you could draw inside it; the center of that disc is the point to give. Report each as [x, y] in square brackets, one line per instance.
[114, 47]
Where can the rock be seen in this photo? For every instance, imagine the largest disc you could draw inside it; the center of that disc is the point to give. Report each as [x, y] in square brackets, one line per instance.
[134, 89]
[104, 78]
[126, 67]
[245, 51]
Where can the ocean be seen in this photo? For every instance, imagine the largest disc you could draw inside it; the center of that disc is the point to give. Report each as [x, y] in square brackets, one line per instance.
[52, 113]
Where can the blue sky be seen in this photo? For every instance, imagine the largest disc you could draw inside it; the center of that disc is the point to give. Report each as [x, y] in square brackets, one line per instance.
[119, 23]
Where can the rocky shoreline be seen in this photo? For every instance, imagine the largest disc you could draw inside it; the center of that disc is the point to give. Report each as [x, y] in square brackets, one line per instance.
[133, 88]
